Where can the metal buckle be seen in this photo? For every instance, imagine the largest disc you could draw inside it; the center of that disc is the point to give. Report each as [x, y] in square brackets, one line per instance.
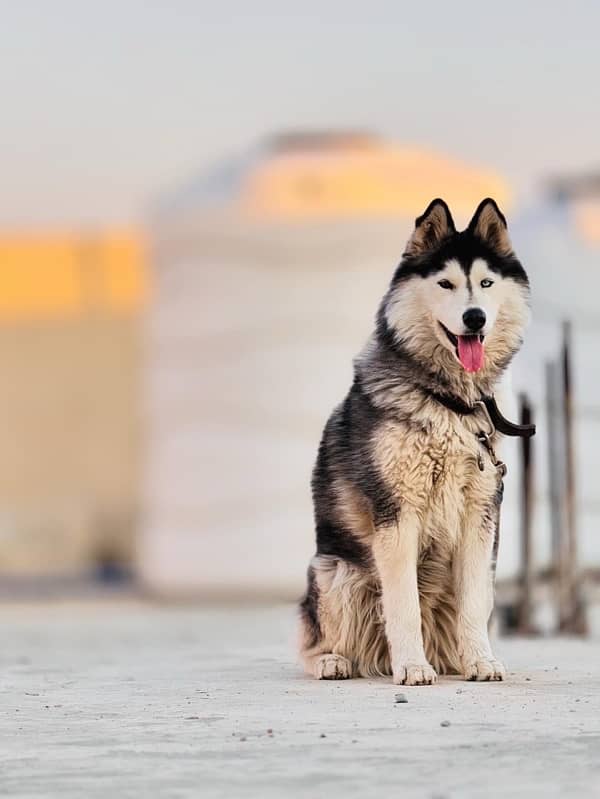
[482, 406]
[484, 439]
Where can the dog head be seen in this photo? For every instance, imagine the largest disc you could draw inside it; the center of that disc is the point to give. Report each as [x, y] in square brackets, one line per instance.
[459, 301]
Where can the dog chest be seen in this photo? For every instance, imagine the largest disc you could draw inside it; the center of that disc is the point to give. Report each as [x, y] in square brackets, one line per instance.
[445, 468]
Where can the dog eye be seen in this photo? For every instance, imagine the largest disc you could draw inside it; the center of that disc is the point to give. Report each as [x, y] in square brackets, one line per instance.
[445, 284]
[486, 283]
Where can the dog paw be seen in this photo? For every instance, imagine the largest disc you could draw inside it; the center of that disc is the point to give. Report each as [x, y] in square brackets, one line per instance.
[484, 669]
[414, 674]
[333, 667]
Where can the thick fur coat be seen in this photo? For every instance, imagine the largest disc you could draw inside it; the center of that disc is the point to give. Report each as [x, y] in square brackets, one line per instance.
[406, 498]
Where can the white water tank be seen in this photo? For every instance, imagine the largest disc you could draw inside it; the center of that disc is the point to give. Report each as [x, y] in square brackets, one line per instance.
[267, 278]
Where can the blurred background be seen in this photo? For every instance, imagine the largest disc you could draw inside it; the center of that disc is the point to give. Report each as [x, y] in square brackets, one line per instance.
[201, 207]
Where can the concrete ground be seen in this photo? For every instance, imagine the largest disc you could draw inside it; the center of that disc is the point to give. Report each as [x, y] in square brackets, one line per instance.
[133, 700]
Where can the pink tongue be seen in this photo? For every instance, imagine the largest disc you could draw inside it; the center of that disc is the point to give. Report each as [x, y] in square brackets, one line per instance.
[470, 353]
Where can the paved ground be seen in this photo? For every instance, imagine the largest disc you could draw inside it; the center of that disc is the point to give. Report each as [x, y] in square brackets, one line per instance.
[138, 701]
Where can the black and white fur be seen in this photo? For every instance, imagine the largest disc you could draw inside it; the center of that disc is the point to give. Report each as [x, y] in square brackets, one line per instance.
[406, 518]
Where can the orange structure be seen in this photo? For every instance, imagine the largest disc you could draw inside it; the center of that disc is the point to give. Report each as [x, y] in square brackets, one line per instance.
[587, 220]
[65, 275]
[350, 175]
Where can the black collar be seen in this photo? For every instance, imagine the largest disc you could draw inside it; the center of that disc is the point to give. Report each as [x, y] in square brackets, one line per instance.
[501, 424]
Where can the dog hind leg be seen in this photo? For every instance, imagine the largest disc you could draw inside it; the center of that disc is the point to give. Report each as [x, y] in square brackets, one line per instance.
[342, 632]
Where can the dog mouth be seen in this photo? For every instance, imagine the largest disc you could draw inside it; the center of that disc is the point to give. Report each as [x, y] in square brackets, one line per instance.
[469, 349]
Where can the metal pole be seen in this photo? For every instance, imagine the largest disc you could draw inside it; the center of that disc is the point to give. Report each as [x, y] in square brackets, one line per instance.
[575, 621]
[527, 576]
[556, 459]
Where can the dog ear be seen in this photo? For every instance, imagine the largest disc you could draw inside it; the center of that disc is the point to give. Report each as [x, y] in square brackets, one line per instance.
[431, 228]
[489, 225]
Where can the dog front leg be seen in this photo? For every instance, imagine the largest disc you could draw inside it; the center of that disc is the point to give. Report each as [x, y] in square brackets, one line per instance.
[395, 549]
[474, 590]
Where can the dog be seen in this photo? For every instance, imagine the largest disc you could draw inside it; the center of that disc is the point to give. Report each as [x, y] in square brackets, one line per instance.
[407, 486]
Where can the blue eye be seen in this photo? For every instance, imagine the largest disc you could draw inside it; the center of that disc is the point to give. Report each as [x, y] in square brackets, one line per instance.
[486, 283]
[445, 284]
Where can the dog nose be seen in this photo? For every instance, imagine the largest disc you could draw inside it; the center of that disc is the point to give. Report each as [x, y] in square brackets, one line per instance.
[474, 319]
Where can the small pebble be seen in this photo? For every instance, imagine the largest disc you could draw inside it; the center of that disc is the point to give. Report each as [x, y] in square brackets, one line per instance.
[445, 724]
[527, 679]
[400, 699]
[269, 731]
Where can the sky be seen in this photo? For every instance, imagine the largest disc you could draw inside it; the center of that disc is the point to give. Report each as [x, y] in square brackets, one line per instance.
[105, 104]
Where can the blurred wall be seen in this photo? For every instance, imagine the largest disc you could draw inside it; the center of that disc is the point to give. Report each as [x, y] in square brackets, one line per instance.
[69, 402]
[558, 241]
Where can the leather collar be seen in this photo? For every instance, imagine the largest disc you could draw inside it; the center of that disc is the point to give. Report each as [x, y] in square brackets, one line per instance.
[501, 424]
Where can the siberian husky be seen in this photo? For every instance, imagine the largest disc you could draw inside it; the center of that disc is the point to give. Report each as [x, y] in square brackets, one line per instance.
[407, 485]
